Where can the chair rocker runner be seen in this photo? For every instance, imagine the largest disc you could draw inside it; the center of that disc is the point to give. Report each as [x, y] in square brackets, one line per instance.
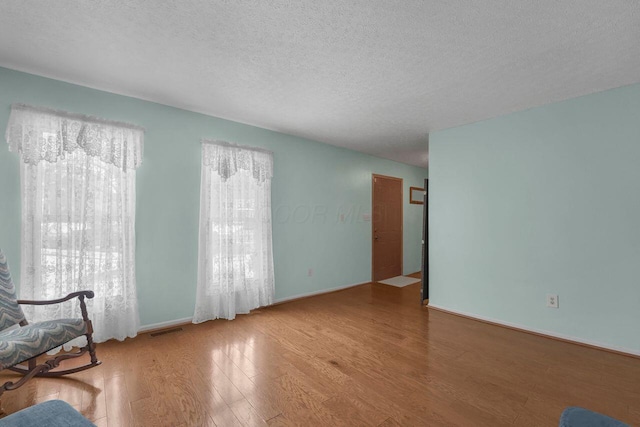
[26, 342]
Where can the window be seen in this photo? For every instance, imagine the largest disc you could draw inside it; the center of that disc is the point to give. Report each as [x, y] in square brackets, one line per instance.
[78, 207]
[235, 260]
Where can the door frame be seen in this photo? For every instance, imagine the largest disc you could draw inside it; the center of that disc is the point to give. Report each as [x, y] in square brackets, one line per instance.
[424, 291]
[373, 177]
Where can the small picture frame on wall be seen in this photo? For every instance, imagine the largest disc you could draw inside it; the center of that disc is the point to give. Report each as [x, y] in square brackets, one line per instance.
[416, 195]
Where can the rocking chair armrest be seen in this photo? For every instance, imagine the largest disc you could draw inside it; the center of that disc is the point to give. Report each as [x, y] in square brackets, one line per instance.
[87, 294]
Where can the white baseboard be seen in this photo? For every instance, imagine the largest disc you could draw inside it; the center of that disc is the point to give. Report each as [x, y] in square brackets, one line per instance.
[319, 292]
[539, 331]
[170, 323]
[163, 325]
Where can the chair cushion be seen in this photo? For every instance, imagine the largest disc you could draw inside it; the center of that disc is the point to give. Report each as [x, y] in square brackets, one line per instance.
[23, 343]
[52, 413]
[10, 312]
[574, 416]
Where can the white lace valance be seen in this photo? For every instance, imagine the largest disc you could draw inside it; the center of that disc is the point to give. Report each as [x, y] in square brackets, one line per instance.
[226, 159]
[45, 134]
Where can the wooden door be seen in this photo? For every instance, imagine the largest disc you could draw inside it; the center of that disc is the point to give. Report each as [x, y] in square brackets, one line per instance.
[386, 227]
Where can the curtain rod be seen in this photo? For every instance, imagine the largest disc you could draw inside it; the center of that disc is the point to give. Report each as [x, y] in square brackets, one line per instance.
[229, 144]
[76, 116]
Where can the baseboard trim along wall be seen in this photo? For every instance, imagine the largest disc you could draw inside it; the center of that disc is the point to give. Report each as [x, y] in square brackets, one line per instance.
[539, 332]
[153, 327]
[320, 292]
[164, 325]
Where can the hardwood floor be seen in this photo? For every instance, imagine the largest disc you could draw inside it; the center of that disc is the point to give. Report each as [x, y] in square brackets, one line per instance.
[369, 356]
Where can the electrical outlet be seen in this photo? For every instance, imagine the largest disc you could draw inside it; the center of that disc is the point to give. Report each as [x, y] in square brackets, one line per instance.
[552, 300]
[310, 273]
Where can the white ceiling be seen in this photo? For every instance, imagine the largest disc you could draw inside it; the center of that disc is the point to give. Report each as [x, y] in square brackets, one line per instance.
[371, 75]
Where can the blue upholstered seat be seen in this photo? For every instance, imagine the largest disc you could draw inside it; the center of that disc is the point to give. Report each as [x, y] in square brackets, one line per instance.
[574, 416]
[20, 344]
[52, 413]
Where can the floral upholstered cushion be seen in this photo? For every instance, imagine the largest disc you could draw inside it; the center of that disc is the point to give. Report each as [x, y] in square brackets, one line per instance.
[23, 343]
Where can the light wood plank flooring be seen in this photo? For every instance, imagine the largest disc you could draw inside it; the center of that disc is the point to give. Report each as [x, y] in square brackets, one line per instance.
[369, 356]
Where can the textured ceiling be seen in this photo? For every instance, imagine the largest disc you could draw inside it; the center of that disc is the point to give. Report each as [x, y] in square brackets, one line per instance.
[371, 75]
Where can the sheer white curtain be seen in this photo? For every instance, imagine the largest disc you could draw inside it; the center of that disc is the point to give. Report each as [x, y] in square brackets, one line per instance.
[235, 258]
[78, 215]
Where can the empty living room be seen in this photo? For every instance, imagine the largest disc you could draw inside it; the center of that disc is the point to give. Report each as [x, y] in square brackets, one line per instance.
[320, 213]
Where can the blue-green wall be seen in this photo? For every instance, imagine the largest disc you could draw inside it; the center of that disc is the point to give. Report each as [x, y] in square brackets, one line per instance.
[313, 183]
[544, 201]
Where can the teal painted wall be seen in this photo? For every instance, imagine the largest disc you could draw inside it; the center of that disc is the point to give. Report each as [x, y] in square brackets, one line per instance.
[313, 183]
[544, 201]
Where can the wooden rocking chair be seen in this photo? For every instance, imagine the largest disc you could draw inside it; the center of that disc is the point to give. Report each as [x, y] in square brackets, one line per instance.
[25, 343]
